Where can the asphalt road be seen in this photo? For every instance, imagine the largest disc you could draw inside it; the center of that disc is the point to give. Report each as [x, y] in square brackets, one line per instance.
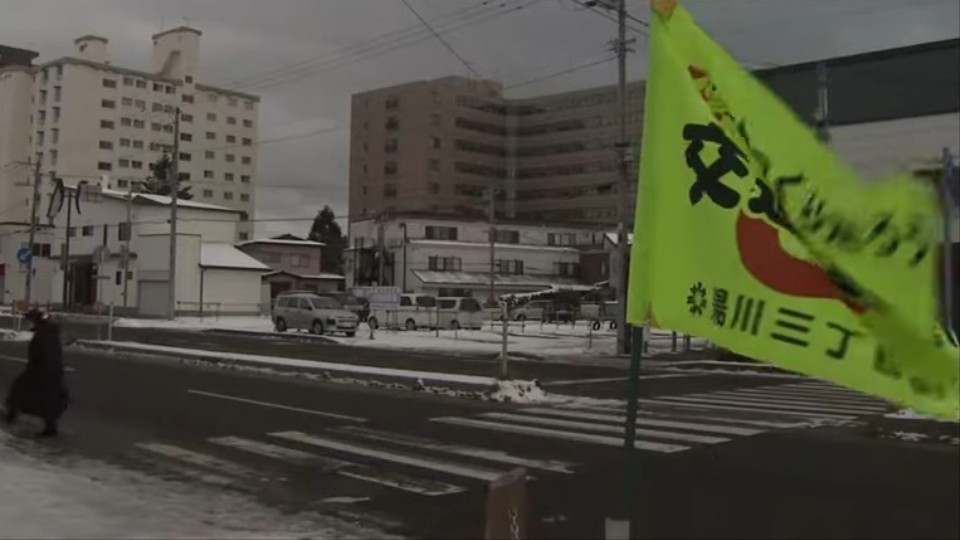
[720, 456]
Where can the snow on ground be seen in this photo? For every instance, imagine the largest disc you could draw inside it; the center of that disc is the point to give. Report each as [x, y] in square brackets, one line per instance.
[85, 499]
[255, 324]
[10, 335]
[910, 414]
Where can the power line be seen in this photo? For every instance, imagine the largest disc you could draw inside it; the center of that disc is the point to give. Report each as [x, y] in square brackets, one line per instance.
[567, 71]
[441, 40]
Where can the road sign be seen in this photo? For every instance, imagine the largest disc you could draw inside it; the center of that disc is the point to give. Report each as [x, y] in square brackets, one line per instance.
[25, 255]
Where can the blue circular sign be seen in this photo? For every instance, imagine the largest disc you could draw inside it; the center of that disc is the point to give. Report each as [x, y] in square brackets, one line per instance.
[24, 255]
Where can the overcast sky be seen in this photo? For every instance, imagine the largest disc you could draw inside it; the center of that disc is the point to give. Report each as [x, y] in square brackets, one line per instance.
[246, 42]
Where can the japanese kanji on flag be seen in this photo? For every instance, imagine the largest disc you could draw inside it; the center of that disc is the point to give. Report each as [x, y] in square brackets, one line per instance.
[750, 232]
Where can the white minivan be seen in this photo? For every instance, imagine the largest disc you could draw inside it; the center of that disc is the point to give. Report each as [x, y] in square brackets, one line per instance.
[413, 311]
[457, 313]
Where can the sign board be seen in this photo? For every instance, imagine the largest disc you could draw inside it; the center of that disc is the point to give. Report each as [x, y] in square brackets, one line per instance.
[379, 296]
[507, 507]
[25, 255]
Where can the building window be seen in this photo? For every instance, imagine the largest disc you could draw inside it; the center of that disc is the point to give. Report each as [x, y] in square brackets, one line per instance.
[232, 102]
[247, 141]
[231, 138]
[136, 164]
[138, 144]
[436, 142]
[72, 232]
[300, 261]
[246, 160]
[390, 168]
[105, 166]
[211, 136]
[248, 123]
[40, 138]
[210, 154]
[109, 83]
[123, 163]
[208, 174]
[139, 124]
[390, 191]
[156, 126]
[392, 102]
[231, 121]
[184, 176]
[433, 188]
[126, 102]
[186, 118]
[123, 232]
[170, 89]
[208, 194]
[106, 145]
[245, 179]
[141, 83]
[186, 137]
[126, 122]
[509, 267]
[561, 239]
[244, 236]
[106, 124]
[108, 104]
[566, 269]
[140, 104]
[445, 264]
[157, 87]
[228, 177]
[157, 107]
[122, 183]
[230, 158]
[392, 123]
[54, 136]
[434, 164]
[245, 197]
[128, 81]
[211, 117]
[124, 143]
[228, 195]
[392, 145]
[53, 158]
[185, 156]
[434, 232]
[507, 237]
[187, 98]
[168, 128]
[87, 230]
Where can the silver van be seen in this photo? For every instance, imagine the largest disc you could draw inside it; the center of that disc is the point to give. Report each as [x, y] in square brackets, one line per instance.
[318, 314]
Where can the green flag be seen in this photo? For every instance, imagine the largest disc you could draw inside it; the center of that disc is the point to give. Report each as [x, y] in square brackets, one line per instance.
[752, 233]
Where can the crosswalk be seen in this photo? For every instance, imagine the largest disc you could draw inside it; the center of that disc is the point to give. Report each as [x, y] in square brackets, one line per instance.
[369, 461]
[670, 424]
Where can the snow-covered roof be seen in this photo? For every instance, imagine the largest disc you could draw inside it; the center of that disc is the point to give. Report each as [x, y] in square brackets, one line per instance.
[430, 277]
[282, 242]
[320, 276]
[163, 200]
[217, 255]
[486, 245]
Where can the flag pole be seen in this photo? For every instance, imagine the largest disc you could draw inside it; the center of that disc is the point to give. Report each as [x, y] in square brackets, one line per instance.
[631, 486]
[947, 290]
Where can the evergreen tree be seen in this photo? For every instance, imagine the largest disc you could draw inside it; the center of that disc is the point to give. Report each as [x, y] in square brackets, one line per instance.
[160, 182]
[325, 229]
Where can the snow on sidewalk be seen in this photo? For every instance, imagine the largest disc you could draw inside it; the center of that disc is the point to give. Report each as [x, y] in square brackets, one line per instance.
[93, 500]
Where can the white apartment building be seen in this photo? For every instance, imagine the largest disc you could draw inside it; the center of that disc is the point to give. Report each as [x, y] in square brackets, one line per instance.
[81, 117]
[119, 248]
[445, 257]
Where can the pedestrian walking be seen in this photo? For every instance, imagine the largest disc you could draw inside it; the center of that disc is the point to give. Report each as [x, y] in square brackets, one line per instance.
[40, 390]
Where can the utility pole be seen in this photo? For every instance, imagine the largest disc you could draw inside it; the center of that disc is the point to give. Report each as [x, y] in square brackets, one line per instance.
[126, 246]
[381, 238]
[623, 204]
[28, 296]
[823, 102]
[174, 182]
[492, 216]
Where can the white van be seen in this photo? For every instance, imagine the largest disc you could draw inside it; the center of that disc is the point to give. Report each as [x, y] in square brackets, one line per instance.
[457, 313]
[412, 312]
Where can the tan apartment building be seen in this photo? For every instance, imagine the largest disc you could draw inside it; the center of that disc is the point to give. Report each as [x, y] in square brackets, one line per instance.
[84, 118]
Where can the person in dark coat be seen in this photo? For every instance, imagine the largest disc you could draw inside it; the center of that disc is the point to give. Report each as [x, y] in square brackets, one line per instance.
[40, 390]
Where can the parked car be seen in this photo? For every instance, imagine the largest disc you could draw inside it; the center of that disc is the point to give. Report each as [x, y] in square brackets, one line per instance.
[354, 304]
[532, 311]
[412, 312]
[312, 312]
[457, 313]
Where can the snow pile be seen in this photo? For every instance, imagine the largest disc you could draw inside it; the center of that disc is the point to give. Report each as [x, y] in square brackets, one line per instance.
[9, 335]
[513, 391]
[910, 414]
[94, 500]
[254, 324]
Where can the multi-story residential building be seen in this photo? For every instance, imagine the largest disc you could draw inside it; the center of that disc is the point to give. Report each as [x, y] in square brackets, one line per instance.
[82, 117]
[452, 257]
[440, 146]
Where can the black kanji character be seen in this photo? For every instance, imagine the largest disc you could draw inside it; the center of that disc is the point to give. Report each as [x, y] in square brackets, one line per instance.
[697, 299]
[765, 203]
[794, 321]
[719, 315]
[731, 159]
[840, 351]
[882, 363]
[744, 315]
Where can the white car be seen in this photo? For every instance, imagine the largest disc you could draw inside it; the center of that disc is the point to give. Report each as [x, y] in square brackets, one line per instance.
[457, 313]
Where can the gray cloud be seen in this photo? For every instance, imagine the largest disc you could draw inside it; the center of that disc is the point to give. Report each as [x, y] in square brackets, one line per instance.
[244, 39]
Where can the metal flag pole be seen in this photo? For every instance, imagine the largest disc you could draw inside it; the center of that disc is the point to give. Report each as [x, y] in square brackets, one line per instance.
[948, 271]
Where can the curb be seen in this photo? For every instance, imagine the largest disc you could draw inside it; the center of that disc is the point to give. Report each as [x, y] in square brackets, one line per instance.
[304, 338]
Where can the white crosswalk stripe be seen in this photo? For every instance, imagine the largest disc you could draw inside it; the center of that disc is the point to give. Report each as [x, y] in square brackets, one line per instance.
[620, 419]
[605, 428]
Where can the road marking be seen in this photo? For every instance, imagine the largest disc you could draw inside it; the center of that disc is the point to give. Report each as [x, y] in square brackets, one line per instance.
[621, 419]
[440, 466]
[558, 434]
[191, 473]
[605, 428]
[574, 382]
[785, 403]
[828, 390]
[667, 401]
[430, 488]
[789, 392]
[462, 450]
[279, 452]
[196, 458]
[277, 406]
[810, 398]
[68, 369]
[767, 407]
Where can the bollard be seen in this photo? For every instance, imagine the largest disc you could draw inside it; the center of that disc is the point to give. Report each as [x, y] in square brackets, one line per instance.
[673, 341]
[686, 342]
[371, 331]
[110, 323]
[438, 322]
[590, 338]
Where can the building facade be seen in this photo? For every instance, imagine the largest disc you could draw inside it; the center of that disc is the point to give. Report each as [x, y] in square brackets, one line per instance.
[452, 257]
[295, 264]
[82, 117]
[441, 146]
